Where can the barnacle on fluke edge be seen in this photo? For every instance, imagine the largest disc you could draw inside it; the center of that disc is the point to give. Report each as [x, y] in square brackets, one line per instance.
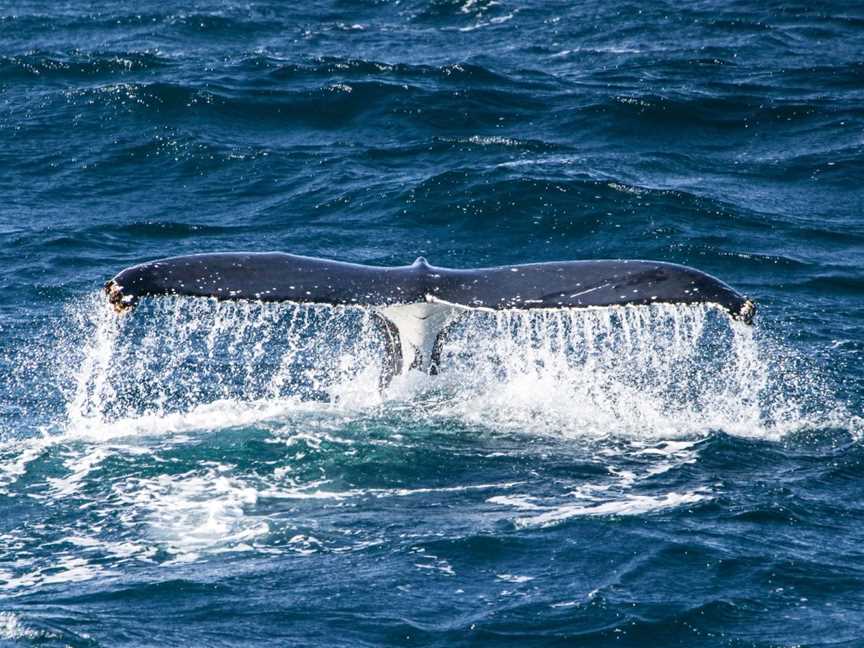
[121, 303]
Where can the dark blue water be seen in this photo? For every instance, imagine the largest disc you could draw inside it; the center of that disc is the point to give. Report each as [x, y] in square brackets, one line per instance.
[227, 474]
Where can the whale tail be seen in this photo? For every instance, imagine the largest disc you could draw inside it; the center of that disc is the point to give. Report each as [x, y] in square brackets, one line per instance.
[415, 304]
[419, 332]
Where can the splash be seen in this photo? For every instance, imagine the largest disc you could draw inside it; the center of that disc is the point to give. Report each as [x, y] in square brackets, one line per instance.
[660, 370]
[657, 371]
[179, 357]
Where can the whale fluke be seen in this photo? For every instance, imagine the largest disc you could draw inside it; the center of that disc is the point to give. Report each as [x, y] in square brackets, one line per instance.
[418, 301]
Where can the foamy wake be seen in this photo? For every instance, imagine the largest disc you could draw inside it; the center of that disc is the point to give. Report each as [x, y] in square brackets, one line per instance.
[184, 516]
[614, 497]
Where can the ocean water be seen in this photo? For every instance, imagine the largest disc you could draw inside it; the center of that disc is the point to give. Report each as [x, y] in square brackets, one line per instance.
[219, 474]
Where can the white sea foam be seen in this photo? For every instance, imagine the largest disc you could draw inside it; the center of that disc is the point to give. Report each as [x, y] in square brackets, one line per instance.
[513, 578]
[219, 414]
[62, 568]
[622, 491]
[79, 468]
[314, 491]
[73, 569]
[21, 454]
[194, 512]
[497, 20]
[522, 502]
[629, 505]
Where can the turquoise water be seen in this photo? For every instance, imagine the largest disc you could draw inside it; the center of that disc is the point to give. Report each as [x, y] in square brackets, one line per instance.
[223, 474]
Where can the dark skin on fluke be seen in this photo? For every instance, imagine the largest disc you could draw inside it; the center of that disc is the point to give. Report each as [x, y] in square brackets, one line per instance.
[277, 276]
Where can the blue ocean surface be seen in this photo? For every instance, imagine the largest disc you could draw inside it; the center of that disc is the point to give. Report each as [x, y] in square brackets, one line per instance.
[224, 474]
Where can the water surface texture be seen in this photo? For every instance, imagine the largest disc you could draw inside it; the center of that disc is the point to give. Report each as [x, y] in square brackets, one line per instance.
[204, 473]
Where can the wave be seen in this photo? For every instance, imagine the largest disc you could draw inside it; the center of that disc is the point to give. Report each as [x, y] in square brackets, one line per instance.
[726, 112]
[437, 11]
[346, 96]
[446, 146]
[573, 194]
[333, 105]
[118, 19]
[837, 284]
[78, 65]
[349, 68]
